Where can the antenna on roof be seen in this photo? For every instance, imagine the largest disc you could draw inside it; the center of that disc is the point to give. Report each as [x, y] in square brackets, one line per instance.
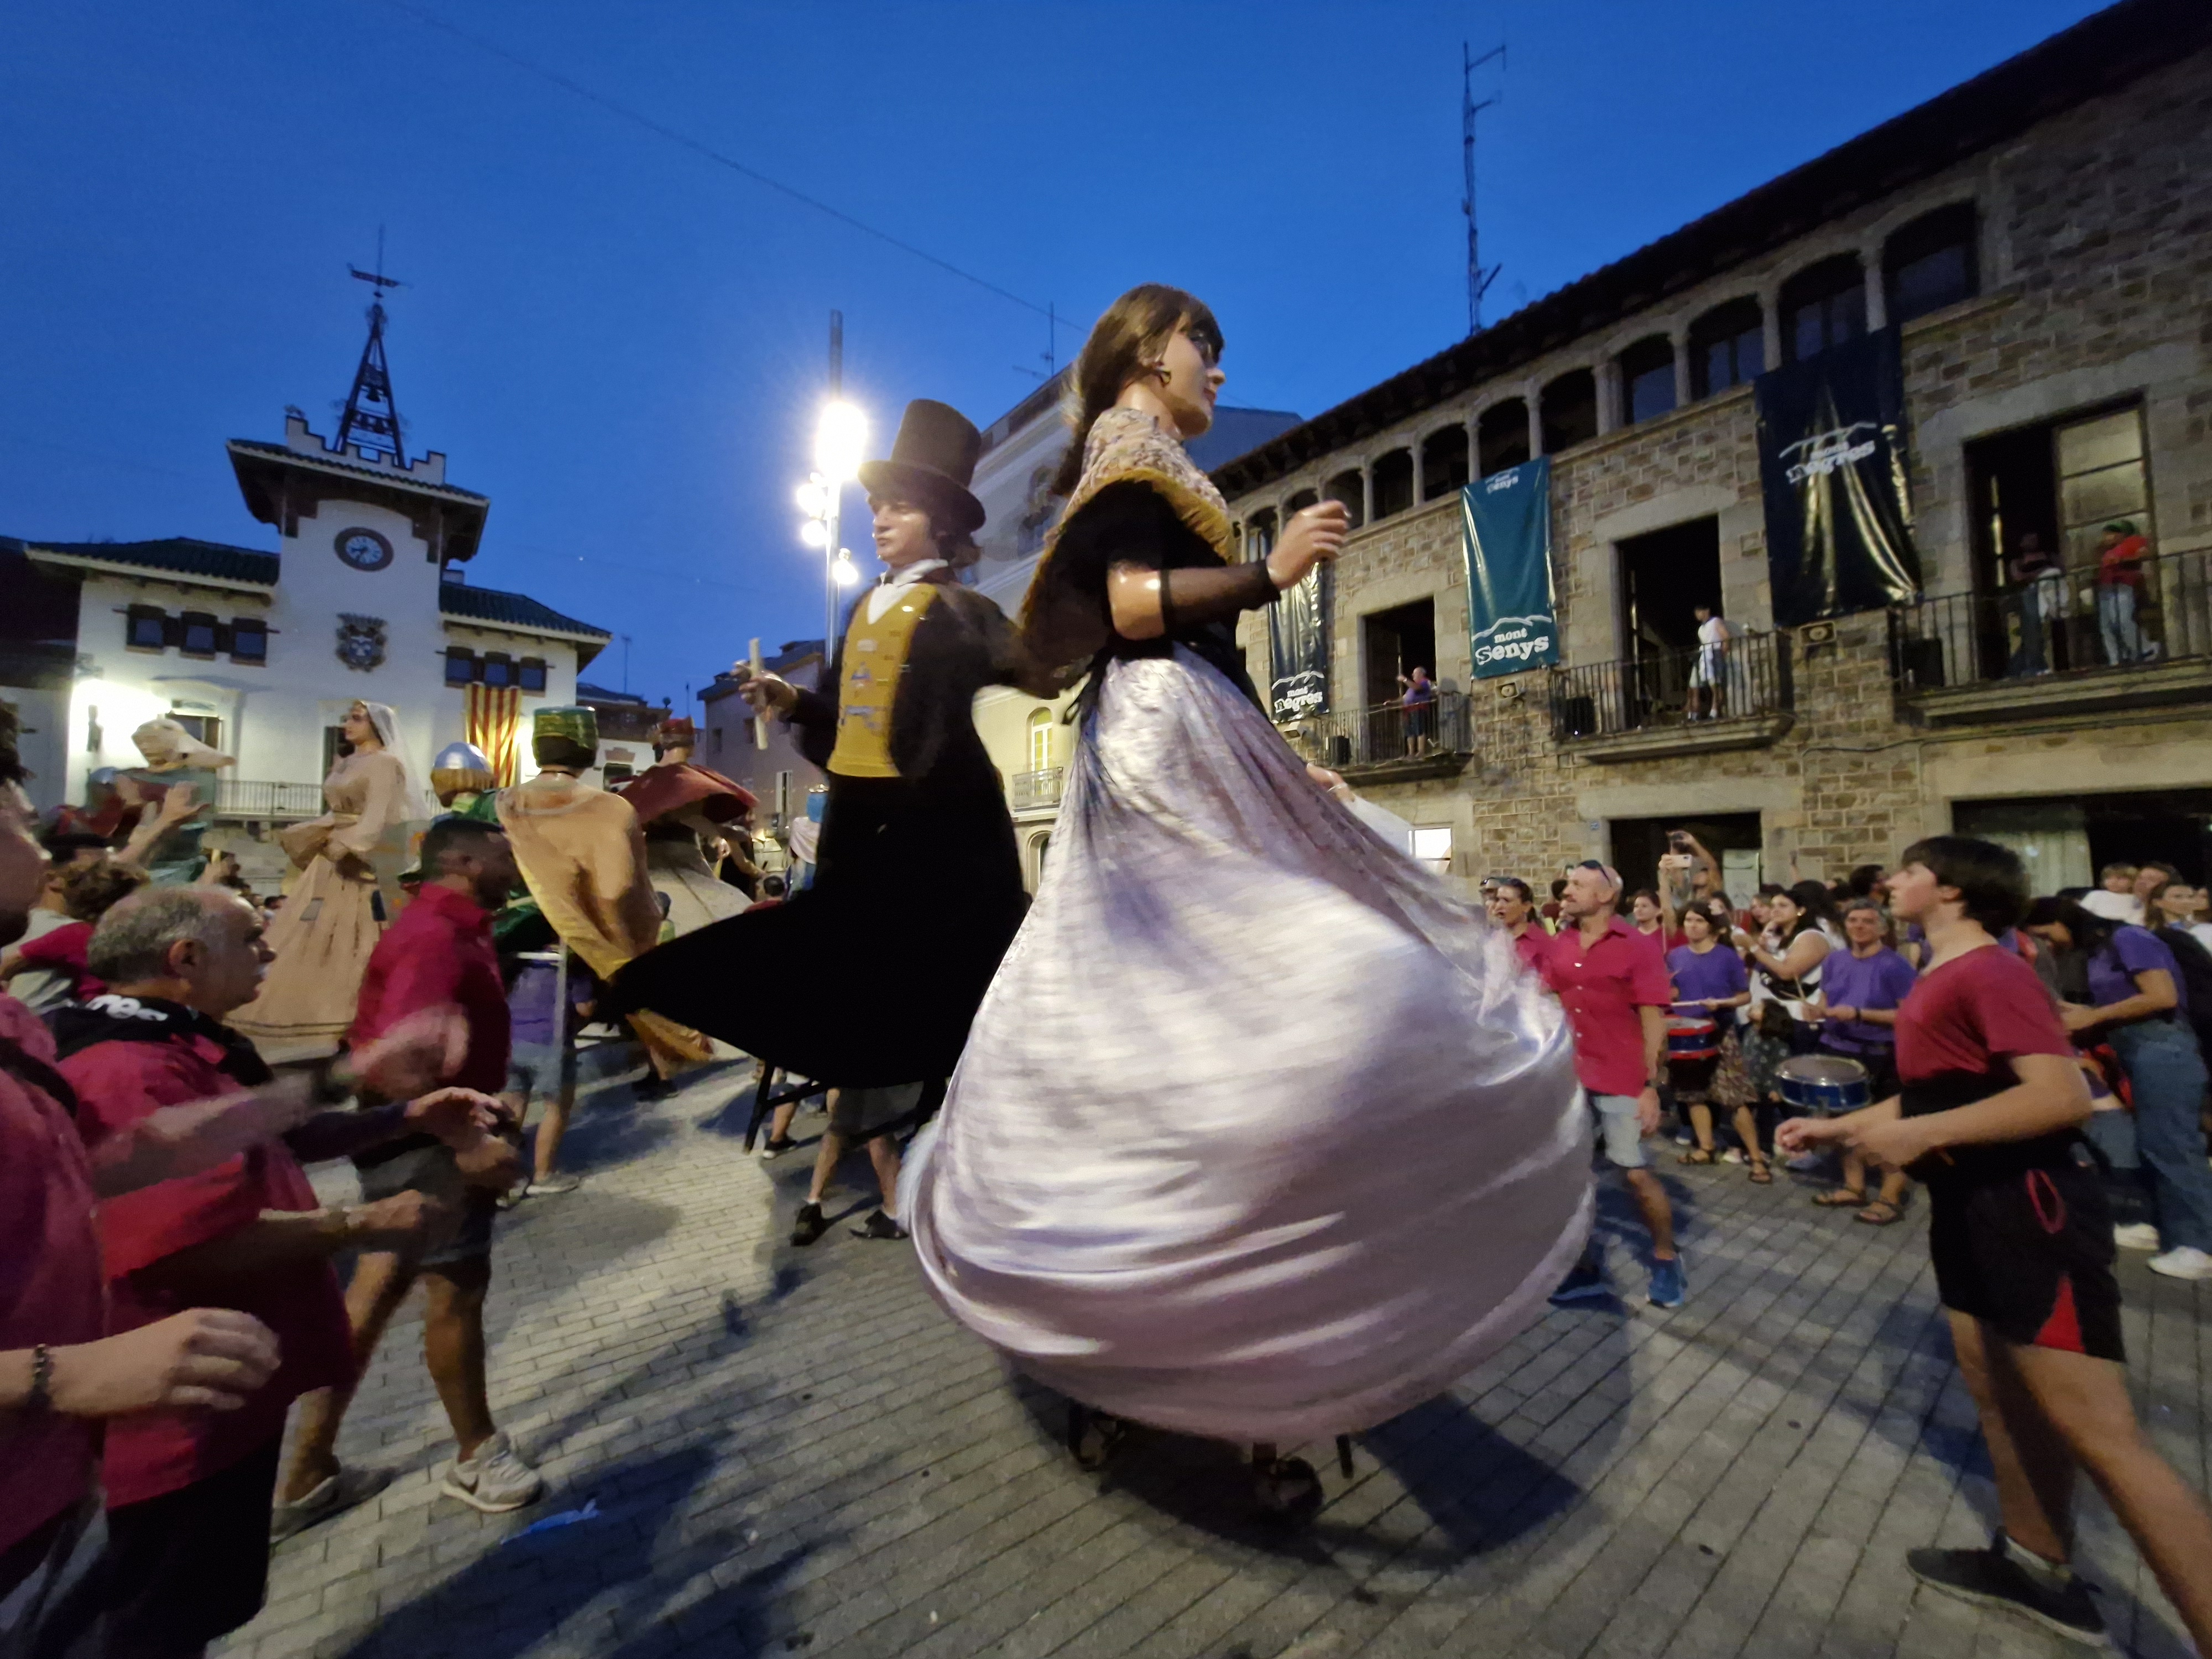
[371, 420]
[1478, 279]
[1051, 352]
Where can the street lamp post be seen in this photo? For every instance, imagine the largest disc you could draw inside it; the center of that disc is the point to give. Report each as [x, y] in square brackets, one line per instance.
[838, 443]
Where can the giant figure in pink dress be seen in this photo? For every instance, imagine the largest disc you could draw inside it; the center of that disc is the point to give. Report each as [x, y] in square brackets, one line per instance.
[1258, 1134]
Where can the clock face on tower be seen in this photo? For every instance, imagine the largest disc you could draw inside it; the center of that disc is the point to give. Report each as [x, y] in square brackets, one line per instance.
[364, 549]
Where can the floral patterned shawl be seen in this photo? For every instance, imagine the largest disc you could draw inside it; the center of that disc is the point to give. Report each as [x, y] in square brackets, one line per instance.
[1127, 445]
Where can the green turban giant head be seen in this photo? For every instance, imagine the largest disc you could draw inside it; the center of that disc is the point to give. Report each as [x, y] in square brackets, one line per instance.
[565, 737]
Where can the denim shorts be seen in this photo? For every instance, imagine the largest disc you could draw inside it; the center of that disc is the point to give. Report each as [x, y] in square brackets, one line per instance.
[1619, 1136]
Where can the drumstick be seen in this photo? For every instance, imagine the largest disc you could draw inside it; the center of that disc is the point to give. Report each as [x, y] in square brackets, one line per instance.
[760, 721]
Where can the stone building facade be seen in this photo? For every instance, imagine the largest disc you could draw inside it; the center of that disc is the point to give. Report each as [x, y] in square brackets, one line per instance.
[2041, 239]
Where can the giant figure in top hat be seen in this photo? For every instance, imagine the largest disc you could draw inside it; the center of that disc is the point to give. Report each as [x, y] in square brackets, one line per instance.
[869, 979]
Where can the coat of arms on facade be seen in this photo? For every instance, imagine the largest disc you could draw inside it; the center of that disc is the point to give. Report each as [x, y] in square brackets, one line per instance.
[361, 641]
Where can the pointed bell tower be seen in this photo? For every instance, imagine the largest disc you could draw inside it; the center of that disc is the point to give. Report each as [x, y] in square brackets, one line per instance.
[371, 421]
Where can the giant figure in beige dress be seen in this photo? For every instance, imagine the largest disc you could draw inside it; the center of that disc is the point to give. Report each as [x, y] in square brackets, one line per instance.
[330, 920]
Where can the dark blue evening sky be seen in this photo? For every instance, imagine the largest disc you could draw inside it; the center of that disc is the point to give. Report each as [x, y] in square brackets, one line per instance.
[623, 342]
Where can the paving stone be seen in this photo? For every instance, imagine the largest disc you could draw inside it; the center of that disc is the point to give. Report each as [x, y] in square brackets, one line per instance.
[795, 1452]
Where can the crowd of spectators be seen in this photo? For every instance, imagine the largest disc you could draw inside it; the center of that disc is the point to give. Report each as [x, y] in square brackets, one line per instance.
[1932, 1027]
[167, 1282]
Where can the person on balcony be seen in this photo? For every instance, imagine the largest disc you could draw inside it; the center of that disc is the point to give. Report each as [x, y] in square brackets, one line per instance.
[1709, 673]
[1417, 699]
[2037, 601]
[2120, 558]
[348, 893]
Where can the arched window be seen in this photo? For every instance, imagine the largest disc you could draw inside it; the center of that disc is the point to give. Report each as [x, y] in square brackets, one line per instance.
[1728, 347]
[1346, 486]
[1568, 408]
[1393, 482]
[1822, 306]
[1040, 739]
[1444, 461]
[1931, 263]
[1502, 436]
[1302, 500]
[1259, 534]
[1647, 380]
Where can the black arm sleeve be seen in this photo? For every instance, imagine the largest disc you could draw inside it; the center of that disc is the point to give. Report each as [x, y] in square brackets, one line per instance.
[344, 1132]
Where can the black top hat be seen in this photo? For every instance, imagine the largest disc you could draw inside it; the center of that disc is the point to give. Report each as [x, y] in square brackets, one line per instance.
[932, 461]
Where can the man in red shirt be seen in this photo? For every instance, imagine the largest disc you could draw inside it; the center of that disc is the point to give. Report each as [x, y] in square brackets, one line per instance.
[1513, 908]
[439, 951]
[189, 1492]
[1612, 982]
[1989, 1115]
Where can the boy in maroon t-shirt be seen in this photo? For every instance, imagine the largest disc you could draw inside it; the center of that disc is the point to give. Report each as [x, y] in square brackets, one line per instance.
[1989, 1116]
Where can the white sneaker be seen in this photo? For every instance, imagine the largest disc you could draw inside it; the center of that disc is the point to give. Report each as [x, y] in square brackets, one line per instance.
[2136, 1236]
[495, 1479]
[2184, 1262]
[553, 1186]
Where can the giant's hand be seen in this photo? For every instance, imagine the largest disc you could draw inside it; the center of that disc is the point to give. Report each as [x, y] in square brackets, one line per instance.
[769, 694]
[1313, 534]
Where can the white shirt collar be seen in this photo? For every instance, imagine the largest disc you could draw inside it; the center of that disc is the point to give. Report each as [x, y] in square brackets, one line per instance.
[881, 595]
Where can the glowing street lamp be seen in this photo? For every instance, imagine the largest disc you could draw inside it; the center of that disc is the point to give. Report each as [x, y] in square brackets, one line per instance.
[840, 439]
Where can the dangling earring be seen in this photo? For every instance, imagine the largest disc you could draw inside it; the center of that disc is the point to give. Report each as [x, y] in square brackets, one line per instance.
[1161, 370]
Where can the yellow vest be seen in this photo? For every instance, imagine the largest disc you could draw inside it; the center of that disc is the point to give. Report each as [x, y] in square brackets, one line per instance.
[875, 658]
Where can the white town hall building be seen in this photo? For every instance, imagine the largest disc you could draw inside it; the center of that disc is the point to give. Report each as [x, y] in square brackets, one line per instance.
[260, 652]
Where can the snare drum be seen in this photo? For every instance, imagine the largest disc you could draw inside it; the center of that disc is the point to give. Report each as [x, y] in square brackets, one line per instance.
[1690, 1038]
[1823, 1084]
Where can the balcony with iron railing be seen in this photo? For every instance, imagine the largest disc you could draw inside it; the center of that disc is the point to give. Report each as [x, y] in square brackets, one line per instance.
[251, 798]
[2067, 644]
[1389, 742]
[1698, 700]
[1035, 791]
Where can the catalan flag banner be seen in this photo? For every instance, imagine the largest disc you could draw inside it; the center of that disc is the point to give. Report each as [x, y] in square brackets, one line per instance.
[492, 721]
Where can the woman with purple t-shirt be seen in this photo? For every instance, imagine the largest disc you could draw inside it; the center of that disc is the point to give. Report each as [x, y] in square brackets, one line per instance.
[1861, 987]
[2121, 985]
[1710, 985]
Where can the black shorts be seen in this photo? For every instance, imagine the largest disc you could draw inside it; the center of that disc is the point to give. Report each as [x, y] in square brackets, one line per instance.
[2029, 1253]
[192, 1565]
[431, 1171]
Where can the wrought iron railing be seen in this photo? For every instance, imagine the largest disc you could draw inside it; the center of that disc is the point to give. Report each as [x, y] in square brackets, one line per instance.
[2063, 623]
[1036, 789]
[249, 797]
[1747, 678]
[1387, 732]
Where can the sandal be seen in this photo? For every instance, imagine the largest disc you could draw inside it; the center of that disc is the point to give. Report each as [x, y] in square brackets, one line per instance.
[1841, 1198]
[1879, 1213]
[1697, 1155]
[1762, 1175]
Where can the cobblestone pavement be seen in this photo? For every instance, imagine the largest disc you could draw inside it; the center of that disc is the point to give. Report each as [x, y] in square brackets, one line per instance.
[794, 1451]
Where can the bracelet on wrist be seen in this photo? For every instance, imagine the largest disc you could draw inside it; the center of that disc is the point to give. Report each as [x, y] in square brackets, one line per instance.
[41, 1396]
